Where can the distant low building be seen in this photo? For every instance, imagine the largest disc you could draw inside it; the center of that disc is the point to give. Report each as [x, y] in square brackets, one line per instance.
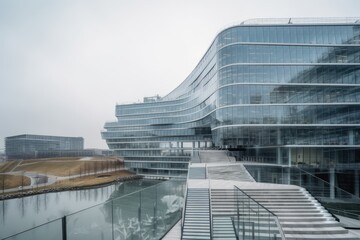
[34, 146]
[74, 153]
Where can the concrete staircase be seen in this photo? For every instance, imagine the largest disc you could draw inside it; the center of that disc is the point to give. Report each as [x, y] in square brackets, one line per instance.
[236, 172]
[223, 228]
[300, 215]
[215, 156]
[197, 214]
[253, 220]
[267, 211]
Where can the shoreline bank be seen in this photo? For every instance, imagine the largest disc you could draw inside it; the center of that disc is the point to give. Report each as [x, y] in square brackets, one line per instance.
[51, 189]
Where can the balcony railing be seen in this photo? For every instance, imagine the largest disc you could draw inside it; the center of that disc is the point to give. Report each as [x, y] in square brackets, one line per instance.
[146, 214]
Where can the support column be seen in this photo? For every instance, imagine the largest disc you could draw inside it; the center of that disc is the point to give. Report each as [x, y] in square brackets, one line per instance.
[288, 177]
[351, 137]
[278, 155]
[170, 148]
[193, 146]
[332, 183]
[357, 183]
[278, 149]
[289, 157]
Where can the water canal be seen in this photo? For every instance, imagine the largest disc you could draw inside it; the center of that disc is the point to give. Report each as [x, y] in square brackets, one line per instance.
[17, 215]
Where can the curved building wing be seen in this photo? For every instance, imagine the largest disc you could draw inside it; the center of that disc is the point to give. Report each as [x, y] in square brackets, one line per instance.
[281, 91]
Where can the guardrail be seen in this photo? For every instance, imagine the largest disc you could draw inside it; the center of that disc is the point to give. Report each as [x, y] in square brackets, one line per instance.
[253, 220]
[329, 195]
[147, 213]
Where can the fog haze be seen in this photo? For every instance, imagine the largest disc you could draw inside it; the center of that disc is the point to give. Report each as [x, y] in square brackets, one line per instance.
[65, 64]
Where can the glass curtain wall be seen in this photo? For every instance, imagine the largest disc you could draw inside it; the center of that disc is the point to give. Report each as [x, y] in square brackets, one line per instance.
[278, 93]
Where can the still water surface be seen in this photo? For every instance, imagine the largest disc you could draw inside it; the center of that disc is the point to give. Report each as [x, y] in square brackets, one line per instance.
[20, 214]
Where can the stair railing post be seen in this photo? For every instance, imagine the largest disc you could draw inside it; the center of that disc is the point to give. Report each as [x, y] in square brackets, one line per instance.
[155, 212]
[252, 230]
[238, 213]
[269, 224]
[139, 215]
[243, 228]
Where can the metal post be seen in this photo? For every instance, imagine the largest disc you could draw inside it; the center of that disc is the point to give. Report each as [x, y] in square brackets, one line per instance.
[249, 220]
[139, 214]
[63, 226]
[243, 232]
[258, 213]
[269, 224]
[112, 219]
[154, 220]
[252, 229]
[357, 183]
[238, 213]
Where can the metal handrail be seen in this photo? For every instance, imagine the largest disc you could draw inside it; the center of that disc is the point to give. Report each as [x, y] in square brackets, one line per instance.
[254, 200]
[185, 201]
[322, 180]
[210, 208]
[184, 212]
[274, 215]
[340, 212]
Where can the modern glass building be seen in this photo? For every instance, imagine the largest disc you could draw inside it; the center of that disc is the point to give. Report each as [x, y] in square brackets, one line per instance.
[283, 91]
[33, 146]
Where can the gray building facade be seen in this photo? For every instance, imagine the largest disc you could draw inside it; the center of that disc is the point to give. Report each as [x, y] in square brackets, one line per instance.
[33, 146]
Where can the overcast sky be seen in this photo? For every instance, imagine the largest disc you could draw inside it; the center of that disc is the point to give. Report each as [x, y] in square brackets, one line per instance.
[65, 64]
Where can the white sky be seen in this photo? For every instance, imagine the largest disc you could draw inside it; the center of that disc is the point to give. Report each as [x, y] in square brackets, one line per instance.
[65, 64]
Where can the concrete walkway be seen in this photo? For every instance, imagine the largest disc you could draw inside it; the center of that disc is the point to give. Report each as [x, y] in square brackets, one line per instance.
[174, 233]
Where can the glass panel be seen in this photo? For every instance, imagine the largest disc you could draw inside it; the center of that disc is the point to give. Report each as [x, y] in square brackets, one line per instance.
[126, 211]
[92, 223]
[43, 232]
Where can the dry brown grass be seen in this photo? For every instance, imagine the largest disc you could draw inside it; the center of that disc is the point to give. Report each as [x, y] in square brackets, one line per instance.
[85, 181]
[92, 179]
[51, 159]
[8, 166]
[12, 181]
[60, 167]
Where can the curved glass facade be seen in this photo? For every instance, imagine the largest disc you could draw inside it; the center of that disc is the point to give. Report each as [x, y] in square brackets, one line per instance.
[282, 93]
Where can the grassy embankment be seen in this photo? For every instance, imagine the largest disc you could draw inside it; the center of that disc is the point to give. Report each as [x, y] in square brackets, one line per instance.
[7, 166]
[11, 181]
[69, 172]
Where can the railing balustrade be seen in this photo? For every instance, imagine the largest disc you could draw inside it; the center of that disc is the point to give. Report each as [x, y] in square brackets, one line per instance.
[146, 214]
[254, 221]
[334, 199]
